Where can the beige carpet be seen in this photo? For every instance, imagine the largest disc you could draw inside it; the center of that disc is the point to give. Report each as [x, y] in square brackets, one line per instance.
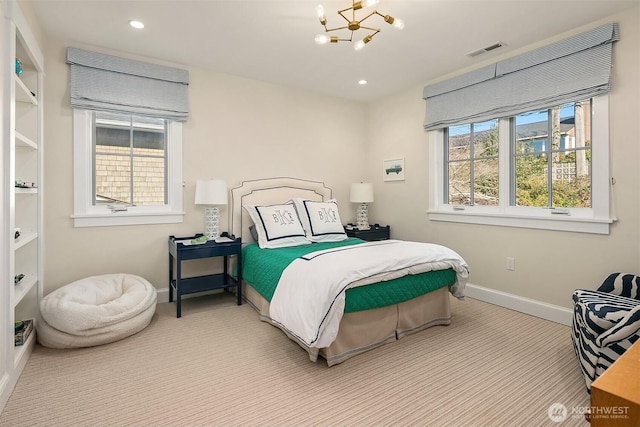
[219, 365]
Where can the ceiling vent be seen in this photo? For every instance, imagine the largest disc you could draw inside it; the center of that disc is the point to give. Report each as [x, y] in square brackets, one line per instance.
[485, 49]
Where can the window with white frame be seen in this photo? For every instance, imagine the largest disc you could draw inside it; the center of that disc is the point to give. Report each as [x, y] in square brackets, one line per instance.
[524, 142]
[127, 133]
[544, 169]
[128, 169]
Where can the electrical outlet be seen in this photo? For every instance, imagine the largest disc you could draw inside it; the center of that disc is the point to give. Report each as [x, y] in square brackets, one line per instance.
[511, 264]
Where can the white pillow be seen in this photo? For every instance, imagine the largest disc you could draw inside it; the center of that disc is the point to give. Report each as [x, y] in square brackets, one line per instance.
[320, 220]
[277, 225]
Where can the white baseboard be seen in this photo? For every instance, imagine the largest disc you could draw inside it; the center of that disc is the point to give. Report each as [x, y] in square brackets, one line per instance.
[163, 295]
[532, 307]
[551, 312]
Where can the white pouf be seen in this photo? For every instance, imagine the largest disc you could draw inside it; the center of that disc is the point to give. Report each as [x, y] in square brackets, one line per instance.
[96, 310]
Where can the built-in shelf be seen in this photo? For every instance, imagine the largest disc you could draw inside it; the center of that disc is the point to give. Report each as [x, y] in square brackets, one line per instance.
[26, 238]
[30, 190]
[21, 289]
[21, 350]
[23, 94]
[23, 141]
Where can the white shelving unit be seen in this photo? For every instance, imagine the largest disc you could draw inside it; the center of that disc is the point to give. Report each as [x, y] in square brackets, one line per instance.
[22, 138]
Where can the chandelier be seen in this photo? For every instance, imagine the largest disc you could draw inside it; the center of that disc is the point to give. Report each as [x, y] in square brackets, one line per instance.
[354, 24]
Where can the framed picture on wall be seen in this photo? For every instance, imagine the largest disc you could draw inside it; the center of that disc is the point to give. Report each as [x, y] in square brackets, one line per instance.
[393, 169]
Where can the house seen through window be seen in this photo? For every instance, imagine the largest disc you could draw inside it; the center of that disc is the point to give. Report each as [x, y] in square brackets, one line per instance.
[130, 160]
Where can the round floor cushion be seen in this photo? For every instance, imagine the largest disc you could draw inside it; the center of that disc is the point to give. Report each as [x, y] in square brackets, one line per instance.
[96, 310]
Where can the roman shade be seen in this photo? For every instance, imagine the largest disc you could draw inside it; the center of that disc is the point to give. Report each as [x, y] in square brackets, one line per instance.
[110, 83]
[573, 69]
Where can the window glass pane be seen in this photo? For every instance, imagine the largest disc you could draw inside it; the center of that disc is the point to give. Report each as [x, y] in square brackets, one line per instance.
[485, 182]
[485, 139]
[532, 131]
[569, 190]
[148, 183]
[459, 142]
[149, 133]
[113, 179]
[531, 181]
[459, 183]
[129, 159]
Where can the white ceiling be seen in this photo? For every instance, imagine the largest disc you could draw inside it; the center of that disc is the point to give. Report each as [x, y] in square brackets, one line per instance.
[273, 40]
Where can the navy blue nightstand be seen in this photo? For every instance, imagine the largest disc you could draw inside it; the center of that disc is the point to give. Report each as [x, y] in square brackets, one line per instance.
[181, 252]
[375, 232]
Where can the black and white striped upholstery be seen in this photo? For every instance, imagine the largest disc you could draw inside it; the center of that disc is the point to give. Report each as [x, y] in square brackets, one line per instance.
[606, 322]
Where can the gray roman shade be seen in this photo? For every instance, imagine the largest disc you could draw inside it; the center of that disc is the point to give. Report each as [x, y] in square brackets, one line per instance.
[570, 70]
[110, 83]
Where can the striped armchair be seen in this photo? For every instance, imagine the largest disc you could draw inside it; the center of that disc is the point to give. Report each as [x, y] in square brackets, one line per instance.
[606, 322]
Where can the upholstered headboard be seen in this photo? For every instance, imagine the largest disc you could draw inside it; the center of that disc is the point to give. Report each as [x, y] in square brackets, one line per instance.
[269, 191]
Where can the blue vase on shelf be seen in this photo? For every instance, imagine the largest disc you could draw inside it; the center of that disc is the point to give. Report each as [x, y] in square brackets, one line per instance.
[18, 66]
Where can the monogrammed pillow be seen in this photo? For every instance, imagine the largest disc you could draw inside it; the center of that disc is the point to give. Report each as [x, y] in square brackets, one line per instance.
[277, 225]
[320, 220]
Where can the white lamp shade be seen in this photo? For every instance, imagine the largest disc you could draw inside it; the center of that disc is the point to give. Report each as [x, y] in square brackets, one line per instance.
[362, 192]
[211, 192]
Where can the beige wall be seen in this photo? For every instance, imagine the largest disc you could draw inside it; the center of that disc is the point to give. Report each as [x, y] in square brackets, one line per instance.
[549, 265]
[238, 129]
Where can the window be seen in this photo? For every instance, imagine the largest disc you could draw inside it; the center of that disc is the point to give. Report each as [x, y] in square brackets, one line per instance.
[129, 160]
[547, 168]
[128, 169]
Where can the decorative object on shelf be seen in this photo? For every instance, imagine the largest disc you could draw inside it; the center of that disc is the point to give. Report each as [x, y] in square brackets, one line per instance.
[17, 233]
[199, 240]
[24, 184]
[18, 66]
[393, 169]
[211, 192]
[23, 329]
[354, 24]
[362, 193]
[17, 278]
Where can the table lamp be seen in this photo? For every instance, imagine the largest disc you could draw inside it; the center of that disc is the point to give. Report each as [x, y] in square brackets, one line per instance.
[362, 193]
[211, 192]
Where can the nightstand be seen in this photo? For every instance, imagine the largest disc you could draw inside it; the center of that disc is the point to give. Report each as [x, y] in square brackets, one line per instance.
[179, 251]
[375, 232]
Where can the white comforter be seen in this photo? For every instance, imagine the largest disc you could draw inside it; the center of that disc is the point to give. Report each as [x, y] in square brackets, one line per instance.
[309, 299]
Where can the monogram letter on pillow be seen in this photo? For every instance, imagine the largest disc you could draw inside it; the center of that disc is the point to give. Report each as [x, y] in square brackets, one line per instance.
[320, 220]
[277, 225]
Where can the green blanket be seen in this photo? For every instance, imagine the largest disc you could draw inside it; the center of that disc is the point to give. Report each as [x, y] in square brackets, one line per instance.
[262, 269]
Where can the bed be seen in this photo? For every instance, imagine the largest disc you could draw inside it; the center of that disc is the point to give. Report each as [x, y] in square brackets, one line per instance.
[370, 305]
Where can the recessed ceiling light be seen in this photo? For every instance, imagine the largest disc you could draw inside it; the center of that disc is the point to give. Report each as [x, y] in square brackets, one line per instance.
[136, 24]
[362, 82]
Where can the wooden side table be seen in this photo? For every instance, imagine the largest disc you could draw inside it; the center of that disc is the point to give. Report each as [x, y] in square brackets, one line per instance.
[179, 252]
[615, 395]
[375, 232]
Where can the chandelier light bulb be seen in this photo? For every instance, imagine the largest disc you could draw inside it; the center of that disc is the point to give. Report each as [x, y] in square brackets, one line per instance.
[369, 3]
[322, 39]
[320, 11]
[359, 45]
[398, 23]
